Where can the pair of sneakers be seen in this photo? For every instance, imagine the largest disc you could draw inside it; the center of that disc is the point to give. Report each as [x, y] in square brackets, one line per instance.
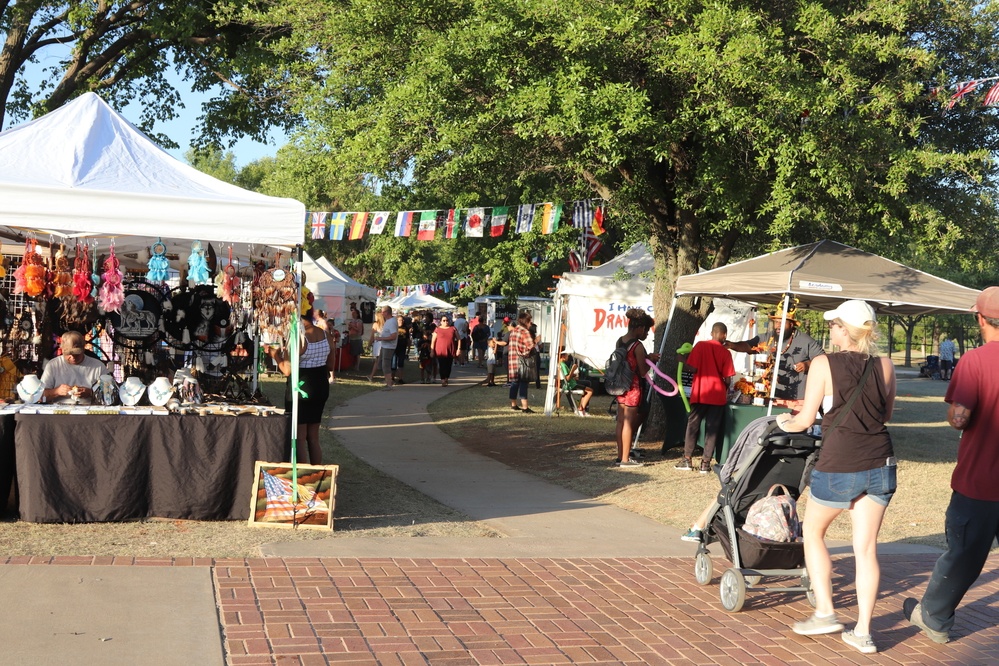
[817, 625]
[687, 465]
[582, 412]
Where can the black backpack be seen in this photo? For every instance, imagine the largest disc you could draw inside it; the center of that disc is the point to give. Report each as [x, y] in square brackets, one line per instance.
[617, 373]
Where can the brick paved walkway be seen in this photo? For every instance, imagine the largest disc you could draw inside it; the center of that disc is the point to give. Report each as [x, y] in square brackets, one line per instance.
[443, 612]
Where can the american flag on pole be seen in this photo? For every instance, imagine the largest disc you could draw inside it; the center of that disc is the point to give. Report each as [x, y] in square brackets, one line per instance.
[318, 225]
[962, 90]
[992, 96]
[592, 245]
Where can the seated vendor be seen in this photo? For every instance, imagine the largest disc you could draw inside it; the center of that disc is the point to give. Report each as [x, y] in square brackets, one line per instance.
[68, 379]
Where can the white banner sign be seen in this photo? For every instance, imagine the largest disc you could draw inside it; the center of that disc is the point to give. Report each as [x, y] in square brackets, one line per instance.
[594, 326]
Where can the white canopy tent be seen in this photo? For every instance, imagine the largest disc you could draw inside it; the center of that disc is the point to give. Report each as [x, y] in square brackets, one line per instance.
[334, 291]
[593, 304]
[417, 301]
[85, 172]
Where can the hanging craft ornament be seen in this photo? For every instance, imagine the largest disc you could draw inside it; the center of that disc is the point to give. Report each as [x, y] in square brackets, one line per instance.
[29, 278]
[276, 299]
[82, 286]
[158, 263]
[229, 289]
[112, 294]
[95, 279]
[63, 277]
[197, 266]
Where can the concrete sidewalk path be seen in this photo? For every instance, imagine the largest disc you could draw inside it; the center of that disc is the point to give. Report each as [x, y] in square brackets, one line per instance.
[392, 431]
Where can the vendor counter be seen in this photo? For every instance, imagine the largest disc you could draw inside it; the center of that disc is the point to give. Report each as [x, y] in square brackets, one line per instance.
[736, 418]
[97, 468]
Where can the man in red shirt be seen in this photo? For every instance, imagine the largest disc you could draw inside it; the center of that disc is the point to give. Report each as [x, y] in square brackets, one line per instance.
[713, 371]
[972, 524]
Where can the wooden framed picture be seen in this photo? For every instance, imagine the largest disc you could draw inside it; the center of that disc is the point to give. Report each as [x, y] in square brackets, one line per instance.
[272, 504]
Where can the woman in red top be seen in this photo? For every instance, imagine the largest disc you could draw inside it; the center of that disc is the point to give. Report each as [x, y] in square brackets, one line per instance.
[521, 343]
[444, 347]
[629, 413]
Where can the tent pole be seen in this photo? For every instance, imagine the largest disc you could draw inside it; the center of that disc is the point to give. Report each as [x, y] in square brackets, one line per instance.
[293, 344]
[553, 378]
[662, 348]
[777, 353]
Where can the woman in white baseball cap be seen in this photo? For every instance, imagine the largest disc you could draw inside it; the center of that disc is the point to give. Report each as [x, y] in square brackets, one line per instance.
[855, 471]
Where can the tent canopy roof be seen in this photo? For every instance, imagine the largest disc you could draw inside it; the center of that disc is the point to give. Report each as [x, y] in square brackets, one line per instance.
[83, 171]
[417, 301]
[823, 274]
[615, 278]
[325, 280]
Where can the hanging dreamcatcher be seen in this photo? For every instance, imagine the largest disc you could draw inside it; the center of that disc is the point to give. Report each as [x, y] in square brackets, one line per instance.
[24, 341]
[276, 298]
[230, 285]
[111, 294]
[29, 278]
[62, 278]
[137, 330]
[158, 263]
[197, 265]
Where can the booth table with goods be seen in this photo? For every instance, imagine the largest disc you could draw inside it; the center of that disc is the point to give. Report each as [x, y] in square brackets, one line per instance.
[174, 280]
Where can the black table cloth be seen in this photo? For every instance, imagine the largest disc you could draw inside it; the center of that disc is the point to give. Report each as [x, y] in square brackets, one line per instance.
[97, 468]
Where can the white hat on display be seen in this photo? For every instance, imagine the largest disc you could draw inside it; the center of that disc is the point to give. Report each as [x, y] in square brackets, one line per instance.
[160, 391]
[30, 389]
[131, 391]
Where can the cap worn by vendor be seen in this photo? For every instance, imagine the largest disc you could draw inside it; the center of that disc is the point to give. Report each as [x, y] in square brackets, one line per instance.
[854, 313]
[71, 343]
[987, 304]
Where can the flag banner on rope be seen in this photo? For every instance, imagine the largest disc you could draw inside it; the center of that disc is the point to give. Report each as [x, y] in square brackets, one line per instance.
[338, 222]
[318, 225]
[498, 222]
[551, 214]
[357, 226]
[962, 89]
[378, 221]
[428, 225]
[404, 223]
[582, 214]
[525, 218]
[474, 222]
[992, 96]
[450, 223]
[598, 220]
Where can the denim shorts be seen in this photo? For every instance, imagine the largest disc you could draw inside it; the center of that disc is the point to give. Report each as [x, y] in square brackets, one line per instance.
[838, 490]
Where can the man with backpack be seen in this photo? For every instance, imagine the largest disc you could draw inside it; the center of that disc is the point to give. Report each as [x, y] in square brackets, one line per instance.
[713, 371]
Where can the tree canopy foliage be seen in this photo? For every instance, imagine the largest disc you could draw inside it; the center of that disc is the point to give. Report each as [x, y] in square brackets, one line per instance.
[125, 50]
[712, 129]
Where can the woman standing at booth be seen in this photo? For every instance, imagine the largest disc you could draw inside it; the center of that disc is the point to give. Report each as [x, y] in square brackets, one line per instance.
[521, 343]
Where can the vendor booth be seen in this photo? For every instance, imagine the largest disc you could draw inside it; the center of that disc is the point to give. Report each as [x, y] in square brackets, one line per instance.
[173, 427]
[418, 301]
[334, 290]
[818, 276]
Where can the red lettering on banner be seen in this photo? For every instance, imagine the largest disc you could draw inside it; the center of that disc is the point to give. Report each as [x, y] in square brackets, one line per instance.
[603, 319]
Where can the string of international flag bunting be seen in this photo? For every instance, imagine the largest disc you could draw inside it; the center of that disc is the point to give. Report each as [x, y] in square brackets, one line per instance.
[478, 222]
[965, 88]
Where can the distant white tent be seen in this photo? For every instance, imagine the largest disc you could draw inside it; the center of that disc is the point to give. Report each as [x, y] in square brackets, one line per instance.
[334, 291]
[417, 301]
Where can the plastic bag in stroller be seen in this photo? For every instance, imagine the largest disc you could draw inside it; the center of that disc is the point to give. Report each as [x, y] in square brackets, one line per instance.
[762, 456]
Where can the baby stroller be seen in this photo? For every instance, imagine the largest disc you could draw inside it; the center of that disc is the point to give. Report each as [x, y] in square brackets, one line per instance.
[762, 456]
[931, 368]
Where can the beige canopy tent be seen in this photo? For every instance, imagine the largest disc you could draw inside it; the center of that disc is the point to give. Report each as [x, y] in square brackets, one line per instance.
[821, 275]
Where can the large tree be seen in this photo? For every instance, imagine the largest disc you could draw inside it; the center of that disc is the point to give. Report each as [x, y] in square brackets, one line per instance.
[54, 51]
[710, 128]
